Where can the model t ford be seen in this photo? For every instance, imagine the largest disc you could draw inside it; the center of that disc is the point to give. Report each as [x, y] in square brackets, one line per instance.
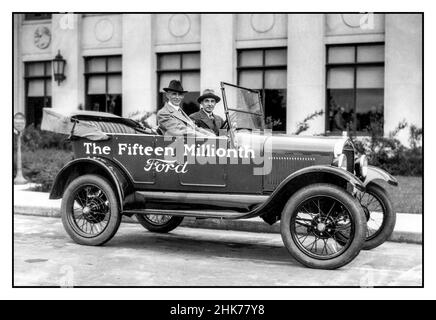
[324, 195]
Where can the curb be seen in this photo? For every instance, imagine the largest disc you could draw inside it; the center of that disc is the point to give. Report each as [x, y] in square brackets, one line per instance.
[258, 225]
[250, 225]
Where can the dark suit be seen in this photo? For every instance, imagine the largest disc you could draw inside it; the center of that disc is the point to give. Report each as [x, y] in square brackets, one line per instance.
[202, 120]
[177, 123]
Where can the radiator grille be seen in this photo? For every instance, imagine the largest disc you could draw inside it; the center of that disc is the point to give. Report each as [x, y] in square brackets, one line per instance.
[349, 153]
[285, 164]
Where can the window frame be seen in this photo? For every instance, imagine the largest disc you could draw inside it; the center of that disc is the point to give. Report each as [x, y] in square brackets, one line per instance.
[261, 68]
[180, 71]
[105, 73]
[355, 65]
[48, 16]
[44, 77]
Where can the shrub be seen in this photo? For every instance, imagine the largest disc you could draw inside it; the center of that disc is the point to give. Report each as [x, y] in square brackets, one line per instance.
[415, 138]
[304, 125]
[389, 154]
[34, 138]
[42, 165]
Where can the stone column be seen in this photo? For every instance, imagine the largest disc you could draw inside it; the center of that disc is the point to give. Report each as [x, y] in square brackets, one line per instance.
[66, 33]
[403, 72]
[217, 53]
[139, 72]
[306, 71]
[18, 75]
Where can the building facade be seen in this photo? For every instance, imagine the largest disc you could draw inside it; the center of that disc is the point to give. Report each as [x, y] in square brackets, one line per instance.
[361, 71]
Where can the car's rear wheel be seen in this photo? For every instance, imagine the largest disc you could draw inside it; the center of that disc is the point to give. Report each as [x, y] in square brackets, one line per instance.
[312, 220]
[379, 214]
[159, 223]
[90, 210]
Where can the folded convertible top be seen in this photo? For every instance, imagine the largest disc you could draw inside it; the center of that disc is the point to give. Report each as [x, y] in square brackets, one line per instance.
[60, 122]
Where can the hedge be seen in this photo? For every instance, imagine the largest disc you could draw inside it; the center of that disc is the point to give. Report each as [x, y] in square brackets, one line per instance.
[389, 154]
[43, 155]
[41, 166]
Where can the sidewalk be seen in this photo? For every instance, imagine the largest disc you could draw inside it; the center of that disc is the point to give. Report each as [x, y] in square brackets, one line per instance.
[407, 229]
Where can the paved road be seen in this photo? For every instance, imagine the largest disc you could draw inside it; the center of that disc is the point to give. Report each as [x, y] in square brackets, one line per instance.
[45, 256]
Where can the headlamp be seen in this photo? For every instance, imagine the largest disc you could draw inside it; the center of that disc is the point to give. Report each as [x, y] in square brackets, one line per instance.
[361, 166]
[341, 161]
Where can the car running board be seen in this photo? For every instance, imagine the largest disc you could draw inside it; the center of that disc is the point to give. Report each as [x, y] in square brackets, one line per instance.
[220, 214]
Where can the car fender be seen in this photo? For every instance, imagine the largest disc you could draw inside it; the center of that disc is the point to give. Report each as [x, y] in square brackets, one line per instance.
[335, 171]
[101, 166]
[375, 173]
[270, 210]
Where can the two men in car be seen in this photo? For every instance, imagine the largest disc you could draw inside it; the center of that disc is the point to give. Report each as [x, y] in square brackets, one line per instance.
[174, 121]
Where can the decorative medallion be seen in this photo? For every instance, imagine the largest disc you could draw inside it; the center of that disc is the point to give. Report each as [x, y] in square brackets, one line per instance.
[104, 30]
[352, 20]
[179, 25]
[42, 37]
[262, 23]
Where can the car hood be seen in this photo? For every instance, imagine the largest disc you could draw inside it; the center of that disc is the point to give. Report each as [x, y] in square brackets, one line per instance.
[294, 143]
[307, 143]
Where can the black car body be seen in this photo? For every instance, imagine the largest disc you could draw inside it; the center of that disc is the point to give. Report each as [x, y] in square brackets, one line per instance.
[243, 173]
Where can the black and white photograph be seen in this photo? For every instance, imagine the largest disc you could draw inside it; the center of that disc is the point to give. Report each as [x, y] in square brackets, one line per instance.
[217, 149]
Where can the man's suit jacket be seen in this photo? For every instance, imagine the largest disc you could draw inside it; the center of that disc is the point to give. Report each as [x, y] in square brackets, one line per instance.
[203, 121]
[176, 123]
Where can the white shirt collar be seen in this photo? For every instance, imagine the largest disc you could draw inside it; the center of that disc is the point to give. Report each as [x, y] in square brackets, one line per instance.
[175, 107]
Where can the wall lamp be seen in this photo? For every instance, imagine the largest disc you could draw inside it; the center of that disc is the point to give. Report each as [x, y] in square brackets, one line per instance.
[59, 67]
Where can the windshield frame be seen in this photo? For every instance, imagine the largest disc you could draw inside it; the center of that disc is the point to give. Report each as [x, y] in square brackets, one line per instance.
[227, 109]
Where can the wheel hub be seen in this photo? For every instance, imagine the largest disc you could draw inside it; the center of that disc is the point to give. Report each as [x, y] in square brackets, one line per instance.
[321, 227]
[94, 211]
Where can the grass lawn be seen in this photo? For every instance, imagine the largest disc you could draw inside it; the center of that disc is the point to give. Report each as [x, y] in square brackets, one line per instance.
[407, 197]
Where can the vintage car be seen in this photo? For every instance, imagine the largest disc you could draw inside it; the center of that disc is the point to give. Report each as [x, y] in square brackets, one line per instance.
[324, 195]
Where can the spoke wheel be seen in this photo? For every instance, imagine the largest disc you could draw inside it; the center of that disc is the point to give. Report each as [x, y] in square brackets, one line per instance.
[374, 212]
[318, 223]
[314, 221]
[158, 220]
[90, 212]
[159, 223]
[379, 214]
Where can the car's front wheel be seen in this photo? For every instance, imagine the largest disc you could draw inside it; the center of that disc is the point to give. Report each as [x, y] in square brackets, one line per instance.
[159, 223]
[90, 210]
[314, 222]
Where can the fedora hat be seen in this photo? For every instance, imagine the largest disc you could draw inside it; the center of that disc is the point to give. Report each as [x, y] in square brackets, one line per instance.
[208, 93]
[176, 86]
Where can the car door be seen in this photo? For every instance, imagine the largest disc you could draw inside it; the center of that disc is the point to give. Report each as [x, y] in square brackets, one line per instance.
[206, 162]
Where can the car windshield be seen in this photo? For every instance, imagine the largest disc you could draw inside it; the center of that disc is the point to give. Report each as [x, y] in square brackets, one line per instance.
[244, 107]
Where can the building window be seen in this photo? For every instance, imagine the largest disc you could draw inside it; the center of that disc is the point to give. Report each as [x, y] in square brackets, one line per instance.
[265, 70]
[182, 66]
[37, 16]
[355, 88]
[103, 84]
[38, 90]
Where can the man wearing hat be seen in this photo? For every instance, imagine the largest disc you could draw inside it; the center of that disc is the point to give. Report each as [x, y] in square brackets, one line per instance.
[172, 119]
[205, 118]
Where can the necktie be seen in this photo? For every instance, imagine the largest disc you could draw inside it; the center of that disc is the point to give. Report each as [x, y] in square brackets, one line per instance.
[215, 129]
